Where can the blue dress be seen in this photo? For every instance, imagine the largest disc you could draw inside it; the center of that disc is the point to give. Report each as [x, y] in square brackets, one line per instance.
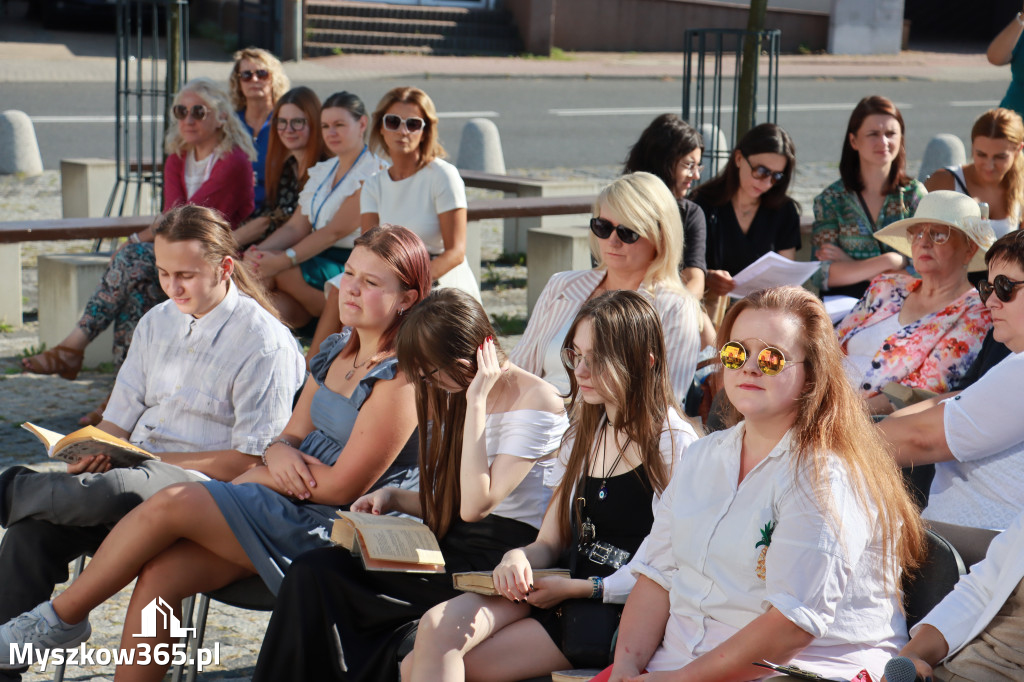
[260, 140]
[274, 529]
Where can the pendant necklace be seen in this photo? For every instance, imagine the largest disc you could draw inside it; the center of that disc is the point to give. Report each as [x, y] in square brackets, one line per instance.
[602, 491]
[355, 366]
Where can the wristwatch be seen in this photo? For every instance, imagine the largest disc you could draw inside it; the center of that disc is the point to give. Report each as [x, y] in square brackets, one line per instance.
[291, 256]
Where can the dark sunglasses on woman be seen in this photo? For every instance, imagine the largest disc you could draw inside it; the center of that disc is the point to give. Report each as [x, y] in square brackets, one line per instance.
[604, 228]
[764, 172]
[198, 111]
[258, 74]
[413, 124]
[1002, 285]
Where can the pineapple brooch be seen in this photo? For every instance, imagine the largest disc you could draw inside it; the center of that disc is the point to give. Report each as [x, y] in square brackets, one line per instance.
[763, 543]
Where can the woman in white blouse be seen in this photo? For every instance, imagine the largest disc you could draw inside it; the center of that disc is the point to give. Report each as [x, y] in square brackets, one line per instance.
[783, 537]
[298, 258]
[637, 242]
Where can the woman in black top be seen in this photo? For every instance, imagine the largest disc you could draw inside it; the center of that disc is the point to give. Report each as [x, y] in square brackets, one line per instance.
[672, 149]
[747, 209]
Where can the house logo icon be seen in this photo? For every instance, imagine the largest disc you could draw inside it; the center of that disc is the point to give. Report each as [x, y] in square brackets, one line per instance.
[159, 610]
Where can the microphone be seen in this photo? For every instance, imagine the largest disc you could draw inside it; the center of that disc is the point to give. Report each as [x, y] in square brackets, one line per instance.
[901, 669]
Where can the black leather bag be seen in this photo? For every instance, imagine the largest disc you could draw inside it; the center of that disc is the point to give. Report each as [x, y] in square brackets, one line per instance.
[588, 629]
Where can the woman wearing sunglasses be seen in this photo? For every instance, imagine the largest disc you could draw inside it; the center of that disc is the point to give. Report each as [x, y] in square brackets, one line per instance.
[976, 440]
[484, 424]
[420, 190]
[297, 260]
[636, 240]
[922, 333]
[295, 147]
[256, 82]
[995, 174]
[747, 210]
[615, 460]
[873, 191]
[208, 163]
[782, 538]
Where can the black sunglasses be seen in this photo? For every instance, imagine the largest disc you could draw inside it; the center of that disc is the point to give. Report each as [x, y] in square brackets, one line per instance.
[604, 228]
[764, 172]
[258, 74]
[181, 112]
[1002, 285]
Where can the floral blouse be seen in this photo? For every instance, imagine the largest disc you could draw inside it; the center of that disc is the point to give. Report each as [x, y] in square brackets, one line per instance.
[928, 353]
[840, 219]
[287, 197]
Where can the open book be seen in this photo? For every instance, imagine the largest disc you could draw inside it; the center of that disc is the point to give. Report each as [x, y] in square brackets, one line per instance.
[482, 582]
[89, 441]
[388, 543]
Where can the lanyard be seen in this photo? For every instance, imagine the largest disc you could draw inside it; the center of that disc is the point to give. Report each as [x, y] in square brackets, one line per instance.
[316, 214]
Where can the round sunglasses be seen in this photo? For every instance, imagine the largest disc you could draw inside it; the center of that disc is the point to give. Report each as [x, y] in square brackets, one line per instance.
[198, 111]
[394, 122]
[1002, 285]
[764, 172]
[770, 360]
[258, 74]
[603, 229]
[296, 124]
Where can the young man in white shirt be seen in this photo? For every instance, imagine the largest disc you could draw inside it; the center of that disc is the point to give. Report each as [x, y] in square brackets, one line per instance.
[207, 384]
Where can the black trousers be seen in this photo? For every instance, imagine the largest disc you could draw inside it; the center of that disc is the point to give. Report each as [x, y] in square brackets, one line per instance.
[336, 621]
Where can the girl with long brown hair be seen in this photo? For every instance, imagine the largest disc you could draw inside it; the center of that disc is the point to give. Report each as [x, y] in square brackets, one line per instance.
[782, 538]
[615, 459]
[484, 424]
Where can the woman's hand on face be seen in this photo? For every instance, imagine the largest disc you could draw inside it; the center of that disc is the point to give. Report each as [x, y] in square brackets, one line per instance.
[378, 502]
[290, 470]
[832, 252]
[513, 576]
[719, 282]
[552, 590]
[488, 369]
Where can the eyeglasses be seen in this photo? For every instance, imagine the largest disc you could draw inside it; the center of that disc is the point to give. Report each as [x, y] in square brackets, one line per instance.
[394, 122]
[258, 74]
[604, 228]
[692, 168]
[571, 358]
[296, 124]
[1002, 285]
[937, 234]
[431, 376]
[770, 360]
[764, 172]
[198, 111]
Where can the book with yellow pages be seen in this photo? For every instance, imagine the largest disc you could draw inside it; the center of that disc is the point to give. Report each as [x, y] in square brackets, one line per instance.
[573, 675]
[388, 543]
[482, 582]
[89, 441]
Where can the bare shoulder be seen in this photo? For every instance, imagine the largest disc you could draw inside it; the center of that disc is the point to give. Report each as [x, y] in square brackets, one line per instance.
[537, 394]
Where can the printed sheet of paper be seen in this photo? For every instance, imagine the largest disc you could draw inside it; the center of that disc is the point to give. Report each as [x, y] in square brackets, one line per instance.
[772, 270]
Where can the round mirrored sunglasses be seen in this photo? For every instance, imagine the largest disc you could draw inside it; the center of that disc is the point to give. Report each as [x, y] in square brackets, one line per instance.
[770, 360]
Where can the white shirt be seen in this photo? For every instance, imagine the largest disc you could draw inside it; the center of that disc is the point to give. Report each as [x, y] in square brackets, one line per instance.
[416, 201]
[831, 585]
[223, 382]
[979, 595]
[863, 346]
[983, 486]
[319, 202]
[197, 172]
[529, 434]
[676, 436]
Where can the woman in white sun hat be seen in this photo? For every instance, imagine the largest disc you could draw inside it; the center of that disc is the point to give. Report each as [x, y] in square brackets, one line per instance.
[925, 332]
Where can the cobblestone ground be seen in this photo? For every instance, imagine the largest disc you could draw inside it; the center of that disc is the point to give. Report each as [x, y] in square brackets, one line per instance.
[58, 404]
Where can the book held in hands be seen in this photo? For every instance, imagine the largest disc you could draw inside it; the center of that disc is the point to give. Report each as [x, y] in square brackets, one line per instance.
[388, 543]
[89, 441]
[482, 582]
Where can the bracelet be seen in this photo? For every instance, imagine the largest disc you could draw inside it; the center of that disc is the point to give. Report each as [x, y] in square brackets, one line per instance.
[133, 238]
[279, 439]
[597, 591]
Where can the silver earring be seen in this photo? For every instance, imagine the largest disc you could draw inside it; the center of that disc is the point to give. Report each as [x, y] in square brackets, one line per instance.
[401, 311]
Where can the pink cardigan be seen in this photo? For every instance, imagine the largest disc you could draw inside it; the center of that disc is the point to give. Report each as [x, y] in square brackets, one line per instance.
[229, 188]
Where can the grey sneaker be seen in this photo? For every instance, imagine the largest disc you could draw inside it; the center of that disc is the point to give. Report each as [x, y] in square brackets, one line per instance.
[33, 629]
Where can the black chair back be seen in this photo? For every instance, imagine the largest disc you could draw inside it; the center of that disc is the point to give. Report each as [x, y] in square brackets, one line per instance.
[938, 573]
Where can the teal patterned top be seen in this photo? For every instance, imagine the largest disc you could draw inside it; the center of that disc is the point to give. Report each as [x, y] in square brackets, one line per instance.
[840, 219]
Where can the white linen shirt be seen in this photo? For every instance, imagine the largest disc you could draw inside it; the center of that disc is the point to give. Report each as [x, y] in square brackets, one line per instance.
[224, 381]
[702, 551]
[983, 486]
[564, 295]
[676, 436]
[979, 595]
[319, 203]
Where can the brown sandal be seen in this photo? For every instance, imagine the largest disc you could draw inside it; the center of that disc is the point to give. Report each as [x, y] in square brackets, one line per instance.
[53, 361]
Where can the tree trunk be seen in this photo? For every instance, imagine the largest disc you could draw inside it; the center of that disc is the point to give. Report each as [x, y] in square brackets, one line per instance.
[745, 114]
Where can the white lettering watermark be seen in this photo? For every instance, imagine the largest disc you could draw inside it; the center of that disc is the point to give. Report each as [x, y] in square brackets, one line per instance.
[142, 654]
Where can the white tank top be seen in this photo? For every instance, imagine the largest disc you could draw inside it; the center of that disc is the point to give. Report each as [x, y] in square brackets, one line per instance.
[1001, 226]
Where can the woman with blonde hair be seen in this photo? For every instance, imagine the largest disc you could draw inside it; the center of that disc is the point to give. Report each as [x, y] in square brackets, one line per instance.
[256, 82]
[208, 164]
[995, 174]
[784, 537]
[636, 239]
[616, 459]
